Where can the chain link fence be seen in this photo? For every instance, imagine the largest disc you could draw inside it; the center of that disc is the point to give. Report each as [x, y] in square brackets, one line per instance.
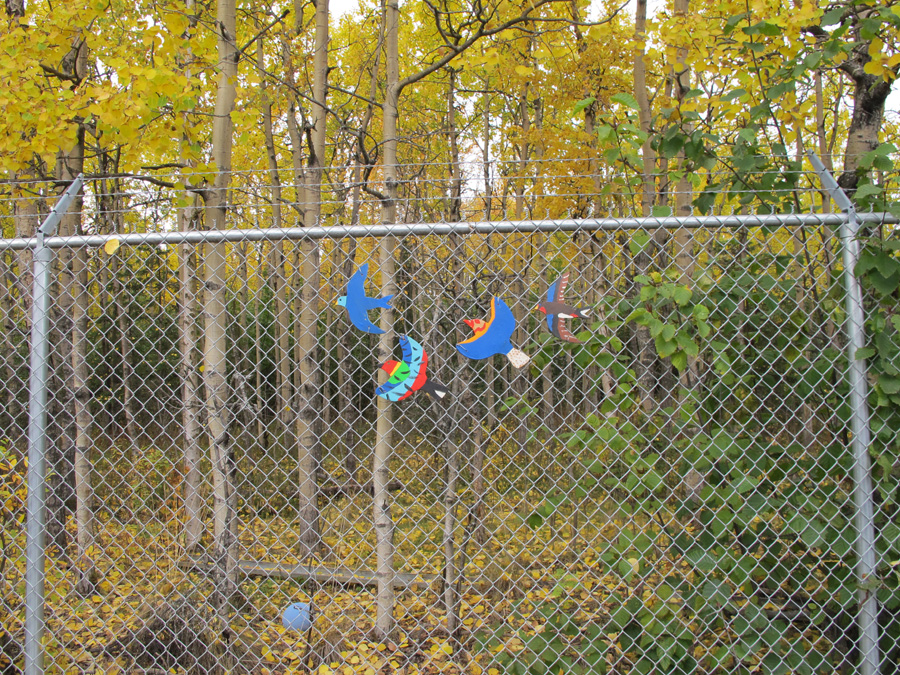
[672, 491]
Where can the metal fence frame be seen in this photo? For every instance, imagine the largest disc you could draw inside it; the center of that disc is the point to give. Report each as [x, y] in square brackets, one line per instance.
[849, 223]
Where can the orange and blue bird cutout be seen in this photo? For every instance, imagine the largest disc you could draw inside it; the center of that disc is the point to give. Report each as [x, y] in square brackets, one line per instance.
[409, 375]
[493, 336]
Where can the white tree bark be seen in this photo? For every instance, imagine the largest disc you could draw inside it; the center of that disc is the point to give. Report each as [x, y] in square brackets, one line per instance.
[215, 319]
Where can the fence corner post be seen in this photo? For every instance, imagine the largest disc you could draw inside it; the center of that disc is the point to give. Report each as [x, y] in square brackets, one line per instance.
[862, 465]
[37, 436]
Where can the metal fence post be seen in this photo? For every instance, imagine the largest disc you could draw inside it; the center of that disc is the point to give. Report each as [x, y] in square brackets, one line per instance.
[862, 473]
[37, 436]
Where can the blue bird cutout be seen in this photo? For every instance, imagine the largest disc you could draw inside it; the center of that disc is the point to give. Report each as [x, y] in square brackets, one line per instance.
[358, 304]
[493, 336]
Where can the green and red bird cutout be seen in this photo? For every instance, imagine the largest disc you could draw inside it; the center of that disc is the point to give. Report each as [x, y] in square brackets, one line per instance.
[409, 375]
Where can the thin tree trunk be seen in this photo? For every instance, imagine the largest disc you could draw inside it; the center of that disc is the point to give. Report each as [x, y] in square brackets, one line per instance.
[12, 410]
[486, 150]
[279, 255]
[75, 300]
[451, 500]
[189, 344]
[84, 513]
[648, 165]
[215, 348]
[120, 303]
[307, 421]
[381, 471]
[684, 240]
[262, 275]
[191, 420]
[68, 408]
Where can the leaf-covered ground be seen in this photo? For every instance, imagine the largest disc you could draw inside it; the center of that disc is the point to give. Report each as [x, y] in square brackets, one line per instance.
[529, 589]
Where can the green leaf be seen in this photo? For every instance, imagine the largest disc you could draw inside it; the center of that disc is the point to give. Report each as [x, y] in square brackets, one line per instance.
[661, 211]
[885, 286]
[886, 264]
[747, 134]
[652, 480]
[834, 16]
[683, 295]
[865, 353]
[745, 484]
[687, 344]
[868, 190]
[888, 384]
[665, 349]
[605, 133]
[638, 242]
[890, 536]
[625, 99]
[583, 105]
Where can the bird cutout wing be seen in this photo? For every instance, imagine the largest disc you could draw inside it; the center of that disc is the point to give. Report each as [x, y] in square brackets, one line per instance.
[558, 312]
[495, 335]
[410, 375]
[479, 326]
[405, 375]
[356, 287]
[562, 330]
[552, 296]
[358, 305]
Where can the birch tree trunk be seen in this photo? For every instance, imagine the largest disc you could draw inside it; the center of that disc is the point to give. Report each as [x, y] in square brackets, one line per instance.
[381, 470]
[215, 315]
[308, 418]
[191, 409]
[189, 344]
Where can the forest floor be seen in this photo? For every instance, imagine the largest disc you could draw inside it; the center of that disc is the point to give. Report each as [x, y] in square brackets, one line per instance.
[507, 581]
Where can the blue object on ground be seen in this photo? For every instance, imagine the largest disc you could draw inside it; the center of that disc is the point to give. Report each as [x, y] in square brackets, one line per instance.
[297, 617]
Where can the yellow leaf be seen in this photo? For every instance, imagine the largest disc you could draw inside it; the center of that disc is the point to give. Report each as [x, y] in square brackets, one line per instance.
[111, 246]
[874, 68]
[875, 48]
[524, 71]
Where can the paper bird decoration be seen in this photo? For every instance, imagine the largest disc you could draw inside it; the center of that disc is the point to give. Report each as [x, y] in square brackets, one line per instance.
[558, 312]
[493, 336]
[297, 617]
[358, 304]
[409, 375]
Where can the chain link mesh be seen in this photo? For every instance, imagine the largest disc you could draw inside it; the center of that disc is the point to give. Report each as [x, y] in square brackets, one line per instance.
[673, 493]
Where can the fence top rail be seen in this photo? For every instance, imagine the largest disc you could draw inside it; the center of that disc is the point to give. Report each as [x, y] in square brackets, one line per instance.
[470, 227]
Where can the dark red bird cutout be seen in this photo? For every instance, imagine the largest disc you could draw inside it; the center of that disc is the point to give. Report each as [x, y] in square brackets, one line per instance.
[558, 312]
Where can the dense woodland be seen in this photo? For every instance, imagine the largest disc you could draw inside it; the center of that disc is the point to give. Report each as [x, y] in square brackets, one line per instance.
[695, 445]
